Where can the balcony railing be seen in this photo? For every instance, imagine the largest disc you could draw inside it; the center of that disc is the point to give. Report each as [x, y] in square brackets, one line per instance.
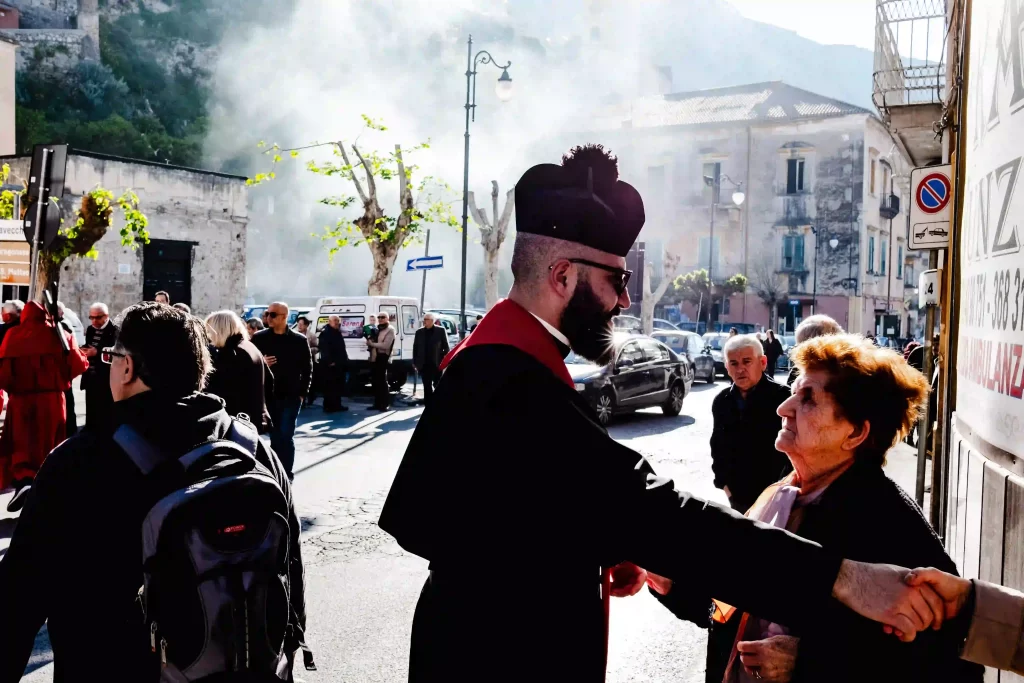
[910, 53]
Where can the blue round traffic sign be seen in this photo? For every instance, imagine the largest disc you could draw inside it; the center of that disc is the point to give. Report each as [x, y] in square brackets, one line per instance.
[933, 193]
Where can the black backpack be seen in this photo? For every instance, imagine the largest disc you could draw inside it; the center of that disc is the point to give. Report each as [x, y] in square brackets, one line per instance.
[215, 553]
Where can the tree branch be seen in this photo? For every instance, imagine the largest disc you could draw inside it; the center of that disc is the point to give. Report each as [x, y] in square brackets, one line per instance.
[352, 173]
[371, 184]
[405, 198]
[506, 215]
[479, 217]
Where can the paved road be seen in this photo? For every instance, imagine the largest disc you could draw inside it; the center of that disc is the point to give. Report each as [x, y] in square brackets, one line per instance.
[362, 587]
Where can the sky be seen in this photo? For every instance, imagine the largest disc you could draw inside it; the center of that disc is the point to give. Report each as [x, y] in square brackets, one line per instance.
[841, 22]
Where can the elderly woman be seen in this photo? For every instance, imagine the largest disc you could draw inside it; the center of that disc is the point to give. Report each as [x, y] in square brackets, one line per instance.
[240, 375]
[851, 403]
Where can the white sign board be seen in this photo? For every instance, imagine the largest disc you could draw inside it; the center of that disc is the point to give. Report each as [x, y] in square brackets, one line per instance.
[990, 341]
[12, 231]
[928, 288]
[931, 192]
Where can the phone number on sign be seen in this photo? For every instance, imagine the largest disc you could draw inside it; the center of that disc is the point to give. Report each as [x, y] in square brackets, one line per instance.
[995, 300]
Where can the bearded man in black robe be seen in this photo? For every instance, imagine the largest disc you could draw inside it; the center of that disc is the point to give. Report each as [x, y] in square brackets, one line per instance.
[529, 533]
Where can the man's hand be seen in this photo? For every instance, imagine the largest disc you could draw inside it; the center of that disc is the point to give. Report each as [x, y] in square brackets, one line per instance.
[627, 579]
[728, 493]
[89, 351]
[953, 590]
[660, 584]
[771, 659]
[271, 360]
[880, 592]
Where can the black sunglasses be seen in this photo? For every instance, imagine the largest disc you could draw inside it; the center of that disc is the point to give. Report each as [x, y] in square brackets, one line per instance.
[621, 280]
[271, 315]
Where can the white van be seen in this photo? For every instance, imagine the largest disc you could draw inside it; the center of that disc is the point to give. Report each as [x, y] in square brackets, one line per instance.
[356, 312]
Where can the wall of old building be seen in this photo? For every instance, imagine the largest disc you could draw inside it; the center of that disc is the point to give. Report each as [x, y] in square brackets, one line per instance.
[207, 209]
[8, 55]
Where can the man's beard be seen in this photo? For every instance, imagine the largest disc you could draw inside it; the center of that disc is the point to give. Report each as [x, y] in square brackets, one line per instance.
[588, 325]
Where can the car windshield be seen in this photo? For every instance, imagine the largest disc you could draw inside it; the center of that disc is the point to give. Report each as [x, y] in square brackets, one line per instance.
[715, 343]
[574, 359]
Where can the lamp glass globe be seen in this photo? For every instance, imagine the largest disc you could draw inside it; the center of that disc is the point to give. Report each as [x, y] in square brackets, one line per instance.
[833, 243]
[738, 198]
[503, 88]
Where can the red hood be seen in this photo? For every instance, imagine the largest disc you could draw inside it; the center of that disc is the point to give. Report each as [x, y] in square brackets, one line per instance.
[509, 324]
[33, 337]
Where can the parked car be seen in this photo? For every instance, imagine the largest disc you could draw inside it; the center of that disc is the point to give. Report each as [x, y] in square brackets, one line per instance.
[451, 328]
[257, 311]
[645, 373]
[75, 323]
[456, 315]
[662, 324]
[715, 341]
[692, 347]
[788, 342]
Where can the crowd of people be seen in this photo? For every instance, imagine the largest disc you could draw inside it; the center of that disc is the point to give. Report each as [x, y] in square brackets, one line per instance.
[805, 576]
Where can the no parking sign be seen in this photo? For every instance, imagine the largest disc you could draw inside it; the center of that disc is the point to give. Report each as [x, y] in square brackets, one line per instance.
[930, 207]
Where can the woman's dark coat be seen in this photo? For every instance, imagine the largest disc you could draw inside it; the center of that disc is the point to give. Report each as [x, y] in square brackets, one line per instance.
[865, 516]
[242, 378]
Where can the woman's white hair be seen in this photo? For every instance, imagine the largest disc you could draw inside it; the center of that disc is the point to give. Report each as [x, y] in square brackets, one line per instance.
[223, 325]
[743, 341]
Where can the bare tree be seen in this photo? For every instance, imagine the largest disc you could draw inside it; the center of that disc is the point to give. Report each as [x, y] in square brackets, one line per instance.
[770, 287]
[671, 266]
[492, 236]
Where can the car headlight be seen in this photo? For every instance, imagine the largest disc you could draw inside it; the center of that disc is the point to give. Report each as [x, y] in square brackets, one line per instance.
[579, 387]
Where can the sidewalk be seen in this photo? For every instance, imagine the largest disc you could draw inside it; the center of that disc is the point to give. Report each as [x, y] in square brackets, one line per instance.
[901, 467]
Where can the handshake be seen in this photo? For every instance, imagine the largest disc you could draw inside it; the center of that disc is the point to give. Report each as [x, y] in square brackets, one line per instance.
[904, 601]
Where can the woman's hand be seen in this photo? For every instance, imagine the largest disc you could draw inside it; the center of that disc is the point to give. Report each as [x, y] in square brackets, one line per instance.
[659, 584]
[772, 659]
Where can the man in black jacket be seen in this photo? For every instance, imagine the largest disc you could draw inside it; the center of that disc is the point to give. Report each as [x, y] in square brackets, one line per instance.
[333, 359]
[428, 350]
[75, 559]
[99, 403]
[743, 454]
[287, 353]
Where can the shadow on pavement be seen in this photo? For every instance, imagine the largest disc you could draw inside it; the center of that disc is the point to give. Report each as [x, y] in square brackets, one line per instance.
[643, 424]
[399, 419]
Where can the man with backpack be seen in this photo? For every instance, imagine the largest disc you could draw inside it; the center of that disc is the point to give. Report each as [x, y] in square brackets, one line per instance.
[140, 573]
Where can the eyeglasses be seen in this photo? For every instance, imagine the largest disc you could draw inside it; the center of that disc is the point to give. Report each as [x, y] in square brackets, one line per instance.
[271, 315]
[619, 282]
[107, 355]
[97, 317]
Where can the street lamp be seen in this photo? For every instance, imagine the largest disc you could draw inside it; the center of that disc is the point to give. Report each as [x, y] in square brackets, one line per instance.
[832, 243]
[503, 89]
[715, 183]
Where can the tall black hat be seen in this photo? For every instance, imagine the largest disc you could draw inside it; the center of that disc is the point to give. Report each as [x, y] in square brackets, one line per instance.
[578, 203]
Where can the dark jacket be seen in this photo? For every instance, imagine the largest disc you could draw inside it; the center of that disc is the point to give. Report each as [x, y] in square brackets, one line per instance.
[865, 516]
[772, 349]
[294, 366]
[75, 559]
[743, 454]
[481, 521]
[332, 347]
[429, 348]
[241, 377]
[98, 374]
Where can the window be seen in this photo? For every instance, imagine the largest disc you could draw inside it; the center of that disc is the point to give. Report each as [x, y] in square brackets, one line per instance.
[702, 254]
[410, 319]
[726, 305]
[909, 275]
[710, 170]
[871, 254]
[899, 261]
[696, 345]
[885, 250]
[653, 351]
[885, 178]
[794, 176]
[392, 312]
[631, 351]
[656, 177]
[874, 165]
[792, 252]
[352, 326]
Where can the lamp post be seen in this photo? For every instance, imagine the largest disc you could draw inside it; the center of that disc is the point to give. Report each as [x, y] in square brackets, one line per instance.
[832, 243]
[503, 89]
[715, 183]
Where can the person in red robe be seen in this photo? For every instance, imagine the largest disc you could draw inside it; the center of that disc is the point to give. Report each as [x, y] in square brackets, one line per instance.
[35, 372]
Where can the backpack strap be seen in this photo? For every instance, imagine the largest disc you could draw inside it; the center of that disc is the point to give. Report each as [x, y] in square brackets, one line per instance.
[242, 437]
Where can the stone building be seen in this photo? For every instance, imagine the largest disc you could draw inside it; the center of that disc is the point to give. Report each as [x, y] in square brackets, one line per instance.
[69, 30]
[197, 226]
[815, 173]
[8, 55]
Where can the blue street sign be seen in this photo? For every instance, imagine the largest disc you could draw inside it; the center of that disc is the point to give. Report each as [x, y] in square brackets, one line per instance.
[794, 303]
[425, 263]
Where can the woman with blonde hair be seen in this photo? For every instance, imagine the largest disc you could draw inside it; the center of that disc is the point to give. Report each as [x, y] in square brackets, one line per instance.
[240, 375]
[851, 403]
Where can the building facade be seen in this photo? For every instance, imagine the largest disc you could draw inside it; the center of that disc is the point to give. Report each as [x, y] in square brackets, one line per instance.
[197, 225]
[811, 232]
[8, 57]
